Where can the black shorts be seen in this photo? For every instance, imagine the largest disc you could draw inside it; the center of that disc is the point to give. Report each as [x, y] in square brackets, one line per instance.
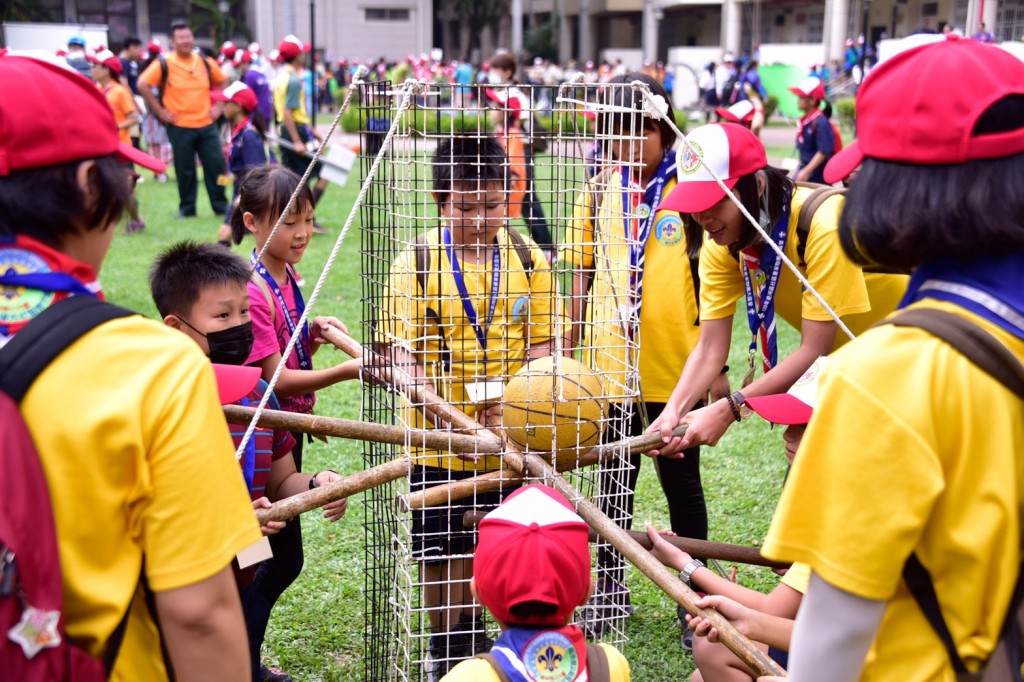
[437, 532]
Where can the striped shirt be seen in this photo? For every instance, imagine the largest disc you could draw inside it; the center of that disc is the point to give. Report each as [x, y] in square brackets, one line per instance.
[271, 445]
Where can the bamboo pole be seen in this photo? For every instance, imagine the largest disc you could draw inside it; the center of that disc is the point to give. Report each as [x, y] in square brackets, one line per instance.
[720, 551]
[290, 507]
[433, 439]
[495, 480]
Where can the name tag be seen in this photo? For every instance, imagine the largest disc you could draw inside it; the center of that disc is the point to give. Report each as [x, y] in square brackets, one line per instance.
[255, 553]
[485, 391]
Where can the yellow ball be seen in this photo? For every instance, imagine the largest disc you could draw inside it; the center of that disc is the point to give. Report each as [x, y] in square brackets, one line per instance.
[554, 405]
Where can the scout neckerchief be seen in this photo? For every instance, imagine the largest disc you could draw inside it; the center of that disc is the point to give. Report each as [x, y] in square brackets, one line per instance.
[33, 277]
[555, 655]
[762, 269]
[302, 347]
[467, 303]
[236, 137]
[991, 287]
[806, 122]
[638, 229]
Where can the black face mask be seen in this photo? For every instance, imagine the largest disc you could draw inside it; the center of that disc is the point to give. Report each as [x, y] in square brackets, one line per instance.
[228, 346]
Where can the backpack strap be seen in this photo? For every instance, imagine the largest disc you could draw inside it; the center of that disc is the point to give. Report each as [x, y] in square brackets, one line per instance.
[598, 669]
[524, 252]
[163, 75]
[984, 351]
[489, 657]
[44, 338]
[819, 195]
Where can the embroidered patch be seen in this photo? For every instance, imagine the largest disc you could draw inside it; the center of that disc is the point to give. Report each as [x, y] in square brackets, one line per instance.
[521, 310]
[669, 230]
[642, 211]
[551, 657]
[691, 162]
[18, 304]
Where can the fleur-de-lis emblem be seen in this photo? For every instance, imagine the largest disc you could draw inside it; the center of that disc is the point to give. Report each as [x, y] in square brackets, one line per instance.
[550, 659]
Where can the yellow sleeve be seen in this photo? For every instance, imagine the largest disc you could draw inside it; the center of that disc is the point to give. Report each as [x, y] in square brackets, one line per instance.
[830, 272]
[471, 670]
[578, 248]
[721, 282]
[543, 306]
[618, 666]
[798, 577]
[403, 306]
[198, 513]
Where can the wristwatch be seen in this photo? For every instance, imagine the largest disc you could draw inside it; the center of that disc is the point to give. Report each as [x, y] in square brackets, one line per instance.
[741, 405]
[688, 570]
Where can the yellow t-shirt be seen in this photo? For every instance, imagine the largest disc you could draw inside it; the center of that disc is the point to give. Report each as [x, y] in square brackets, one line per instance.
[187, 91]
[139, 463]
[859, 298]
[288, 80]
[479, 670]
[798, 577]
[912, 448]
[669, 325]
[523, 316]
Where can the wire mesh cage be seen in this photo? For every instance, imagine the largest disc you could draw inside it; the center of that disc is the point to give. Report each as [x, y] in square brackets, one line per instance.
[502, 256]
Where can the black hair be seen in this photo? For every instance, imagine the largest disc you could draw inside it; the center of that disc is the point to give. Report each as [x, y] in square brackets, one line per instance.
[259, 122]
[180, 273]
[779, 188]
[178, 26]
[131, 41]
[468, 160]
[901, 215]
[611, 123]
[531, 613]
[47, 204]
[265, 192]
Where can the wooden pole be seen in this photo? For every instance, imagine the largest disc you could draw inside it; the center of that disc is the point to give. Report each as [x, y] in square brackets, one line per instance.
[290, 507]
[720, 551]
[433, 439]
[495, 480]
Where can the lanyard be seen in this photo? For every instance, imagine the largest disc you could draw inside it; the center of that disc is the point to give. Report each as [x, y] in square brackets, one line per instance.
[301, 348]
[641, 225]
[460, 284]
[45, 281]
[249, 461]
[759, 311]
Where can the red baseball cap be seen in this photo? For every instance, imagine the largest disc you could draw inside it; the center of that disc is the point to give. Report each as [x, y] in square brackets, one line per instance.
[291, 47]
[741, 112]
[901, 118]
[107, 59]
[154, 46]
[809, 87]
[234, 382]
[243, 57]
[228, 49]
[729, 150]
[796, 405]
[239, 93]
[35, 134]
[533, 548]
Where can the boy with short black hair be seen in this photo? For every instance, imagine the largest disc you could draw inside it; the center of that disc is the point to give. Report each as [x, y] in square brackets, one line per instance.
[463, 311]
[532, 571]
[201, 290]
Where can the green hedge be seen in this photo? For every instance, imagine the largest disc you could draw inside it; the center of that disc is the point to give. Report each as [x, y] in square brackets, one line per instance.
[846, 110]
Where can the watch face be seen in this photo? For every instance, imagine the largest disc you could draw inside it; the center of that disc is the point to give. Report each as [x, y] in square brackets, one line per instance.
[745, 411]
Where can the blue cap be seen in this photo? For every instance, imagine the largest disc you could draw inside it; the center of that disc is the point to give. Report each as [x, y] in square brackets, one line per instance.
[76, 40]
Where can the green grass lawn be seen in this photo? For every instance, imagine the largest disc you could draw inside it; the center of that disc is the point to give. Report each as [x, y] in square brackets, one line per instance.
[317, 629]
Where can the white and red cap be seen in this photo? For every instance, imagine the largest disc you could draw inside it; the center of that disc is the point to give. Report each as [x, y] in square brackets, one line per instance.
[741, 112]
[729, 150]
[154, 47]
[796, 405]
[228, 49]
[291, 47]
[239, 93]
[274, 56]
[533, 548]
[900, 118]
[36, 133]
[243, 57]
[809, 87]
[234, 382]
[107, 59]
[255, 48]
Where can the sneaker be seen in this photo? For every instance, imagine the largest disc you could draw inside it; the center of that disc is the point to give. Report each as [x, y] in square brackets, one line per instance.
[135, 225]
[611, 601]
[269, 674]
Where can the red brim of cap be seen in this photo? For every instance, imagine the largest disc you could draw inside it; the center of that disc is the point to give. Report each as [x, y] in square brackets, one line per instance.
[235, 382]
[219, 96]
[126, 152]
[694, 197]
[840, 166]
[782, 408]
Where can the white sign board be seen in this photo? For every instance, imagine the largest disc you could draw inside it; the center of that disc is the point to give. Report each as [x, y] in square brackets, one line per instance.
[51, 37]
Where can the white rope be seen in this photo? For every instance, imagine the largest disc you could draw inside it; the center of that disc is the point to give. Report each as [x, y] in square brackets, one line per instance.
[409, 89]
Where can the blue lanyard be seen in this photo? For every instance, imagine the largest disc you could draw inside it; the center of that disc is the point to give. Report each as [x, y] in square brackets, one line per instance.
[757, 314]
[652, 199]
[301, 348]
[460, 284]
[45, 281]
[249, 463]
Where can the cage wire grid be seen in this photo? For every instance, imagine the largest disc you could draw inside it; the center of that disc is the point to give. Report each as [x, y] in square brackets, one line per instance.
[415, 319]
